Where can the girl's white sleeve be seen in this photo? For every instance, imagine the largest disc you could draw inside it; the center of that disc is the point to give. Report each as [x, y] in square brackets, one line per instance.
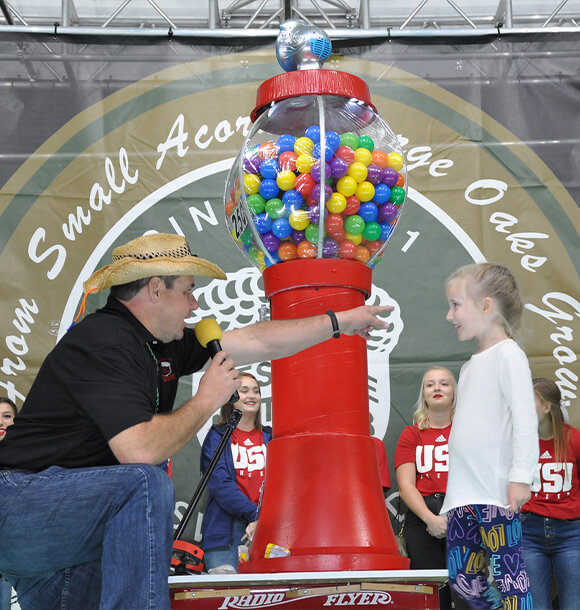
[517, 390]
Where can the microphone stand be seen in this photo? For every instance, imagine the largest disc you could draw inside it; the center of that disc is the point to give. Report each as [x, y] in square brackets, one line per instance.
[231, 425]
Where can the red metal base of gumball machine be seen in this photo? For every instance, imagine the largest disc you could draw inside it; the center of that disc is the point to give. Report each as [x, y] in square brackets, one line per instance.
[322, 496]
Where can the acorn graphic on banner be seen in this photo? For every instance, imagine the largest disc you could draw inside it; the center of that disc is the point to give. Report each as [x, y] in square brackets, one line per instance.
[312, 200]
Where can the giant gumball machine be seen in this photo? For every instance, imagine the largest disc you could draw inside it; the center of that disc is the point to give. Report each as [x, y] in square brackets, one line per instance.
[312, 200]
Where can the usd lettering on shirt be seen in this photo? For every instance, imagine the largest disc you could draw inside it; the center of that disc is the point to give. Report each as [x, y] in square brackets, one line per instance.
[250, 459]
[429, 458]
[553, 477]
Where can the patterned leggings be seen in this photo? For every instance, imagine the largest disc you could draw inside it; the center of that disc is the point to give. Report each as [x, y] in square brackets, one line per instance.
[484, 543]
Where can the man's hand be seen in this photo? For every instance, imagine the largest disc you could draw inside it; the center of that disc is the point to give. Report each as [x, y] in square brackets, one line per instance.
[220, 380]
[518, 495]
[362, 320]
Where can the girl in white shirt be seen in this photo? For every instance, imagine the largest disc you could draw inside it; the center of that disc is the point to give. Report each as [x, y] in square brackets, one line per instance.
[493, 445]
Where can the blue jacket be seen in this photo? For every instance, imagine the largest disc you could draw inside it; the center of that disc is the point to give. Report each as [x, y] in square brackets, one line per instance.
[227, 501]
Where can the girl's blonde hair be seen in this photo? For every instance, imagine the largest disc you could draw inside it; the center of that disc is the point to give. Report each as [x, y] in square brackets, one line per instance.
[227, 409]
[548, 391]
[421, 413]
[496, 281]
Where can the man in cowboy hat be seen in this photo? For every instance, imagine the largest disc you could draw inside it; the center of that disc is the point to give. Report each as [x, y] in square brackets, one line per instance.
[86, 515]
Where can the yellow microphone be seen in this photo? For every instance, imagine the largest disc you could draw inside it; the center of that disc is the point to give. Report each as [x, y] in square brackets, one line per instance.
[209, 334]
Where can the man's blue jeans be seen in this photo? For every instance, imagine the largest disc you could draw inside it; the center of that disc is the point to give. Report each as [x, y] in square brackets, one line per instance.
[552, 544]
[87, 538]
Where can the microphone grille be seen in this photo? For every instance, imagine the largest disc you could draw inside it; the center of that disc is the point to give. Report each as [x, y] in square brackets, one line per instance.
[208, 330]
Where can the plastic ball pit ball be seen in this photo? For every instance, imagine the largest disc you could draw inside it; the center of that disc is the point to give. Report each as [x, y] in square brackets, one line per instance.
[283, 182]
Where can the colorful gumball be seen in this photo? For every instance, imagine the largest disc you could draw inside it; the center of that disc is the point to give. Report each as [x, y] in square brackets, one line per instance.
[332, 140]
[304, 163]
[251, 183]
[251, 164]
[338, 167]
[329, 248]
[366, 142]
[268, 150]
[269, 168]
[372, 231]
[304, 184]
[253, 254]
[303, 146]
[349, 139]
[355, 239]
[380, 158]
[286, 179]
[374, 246]
[282, 228]
[285, 143]
[273, 259]
[275, 208]
[358, 171]
[328, 154]
[256, 203]
[316, 190]
[339, 235]
[347, 249]
[312, 233]
[368, 212]
[297, 236]
[230, 207]
[387, 212]
[375, 174]
[382, 193]
[292, 200]
[390, 176]
[313, 132]
[396, 161]
[316, 171]
[314, 213]
[246, 236]
[263, 223]
[397, 195]
[346, 186]
[386, 230]
[271, 242]
[287, 160]
[363, 155]
[269, 188]
[352, 205]
[346, 153]
[333, 224]
[305, 249]
[336, 203]
[287, 251]
[299, 219]
[362, 254]
[400, 180]
[365, 191]
[354, 224]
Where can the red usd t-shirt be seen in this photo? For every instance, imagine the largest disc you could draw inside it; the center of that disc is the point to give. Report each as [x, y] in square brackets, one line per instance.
[557, 493]
[428, 450]
[249, 453]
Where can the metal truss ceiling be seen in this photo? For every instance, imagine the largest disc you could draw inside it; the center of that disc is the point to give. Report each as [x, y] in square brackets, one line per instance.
[251, 18]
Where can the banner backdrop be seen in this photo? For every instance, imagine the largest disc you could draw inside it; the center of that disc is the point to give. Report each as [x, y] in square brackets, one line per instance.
[102, 142]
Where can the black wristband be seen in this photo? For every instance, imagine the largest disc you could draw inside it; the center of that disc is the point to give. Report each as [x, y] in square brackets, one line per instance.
[333, 319]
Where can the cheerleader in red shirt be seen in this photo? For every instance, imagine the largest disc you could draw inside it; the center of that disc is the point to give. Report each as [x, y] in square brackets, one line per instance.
[421, 465]
[551, 518]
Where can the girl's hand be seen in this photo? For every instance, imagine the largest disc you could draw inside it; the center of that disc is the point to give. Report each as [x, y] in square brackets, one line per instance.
[518, 495]
[437, 526]
[249, 535]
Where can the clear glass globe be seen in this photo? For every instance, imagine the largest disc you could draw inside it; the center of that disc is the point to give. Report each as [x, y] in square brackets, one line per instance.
[319, 176]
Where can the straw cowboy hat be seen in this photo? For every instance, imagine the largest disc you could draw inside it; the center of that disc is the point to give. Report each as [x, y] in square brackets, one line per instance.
[149, 256]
